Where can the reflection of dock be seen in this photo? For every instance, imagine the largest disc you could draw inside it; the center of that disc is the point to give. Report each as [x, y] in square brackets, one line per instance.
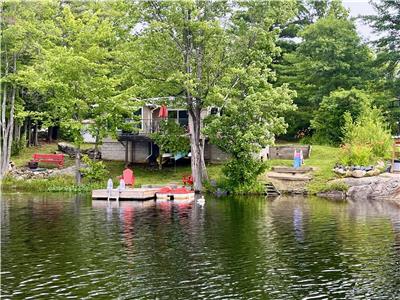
[126, 194]
[123, 204]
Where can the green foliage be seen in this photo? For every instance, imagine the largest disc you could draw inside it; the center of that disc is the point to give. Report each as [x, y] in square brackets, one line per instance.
[246, 126]
[18, 145]
[386, 21]
[335, 186]
[94, 171]
[241, 175]
[367, 139]
[329, 119]
[171, 137]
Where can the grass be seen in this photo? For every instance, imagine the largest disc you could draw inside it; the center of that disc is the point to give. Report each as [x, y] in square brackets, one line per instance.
[143, 174]
[322, 159]
[22, 159]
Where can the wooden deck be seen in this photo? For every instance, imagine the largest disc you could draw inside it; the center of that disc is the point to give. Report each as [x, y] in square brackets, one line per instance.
[127, 194]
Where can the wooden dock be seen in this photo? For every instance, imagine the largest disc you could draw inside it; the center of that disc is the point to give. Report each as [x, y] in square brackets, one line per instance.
[127, 194]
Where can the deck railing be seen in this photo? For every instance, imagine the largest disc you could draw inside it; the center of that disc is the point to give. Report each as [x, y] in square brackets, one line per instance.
[148, 126]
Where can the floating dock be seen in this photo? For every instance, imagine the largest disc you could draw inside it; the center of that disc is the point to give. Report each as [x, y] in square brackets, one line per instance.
[126, 194]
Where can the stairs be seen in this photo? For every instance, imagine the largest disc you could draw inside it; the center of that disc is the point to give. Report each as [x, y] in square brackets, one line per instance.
[271, 191]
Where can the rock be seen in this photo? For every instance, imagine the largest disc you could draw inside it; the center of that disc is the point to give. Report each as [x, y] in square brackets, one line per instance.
[70, 171]
[358, 173]
[371, 173]
[348, 173]
[90, 153]
[380, 189]
[333, 195]
[340, 171]
[380, 165]
[67, 149]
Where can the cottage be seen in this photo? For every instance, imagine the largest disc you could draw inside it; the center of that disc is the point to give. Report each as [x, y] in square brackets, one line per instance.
[138, 147]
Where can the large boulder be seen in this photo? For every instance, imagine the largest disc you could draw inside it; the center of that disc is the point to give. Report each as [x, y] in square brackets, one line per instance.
[378, 189]
[67, 149]
[71, 150]
[358, 173]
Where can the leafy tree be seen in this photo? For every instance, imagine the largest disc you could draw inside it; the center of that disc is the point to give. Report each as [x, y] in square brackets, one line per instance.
[76, 72]
[329, 119]
[25, 26]
[387, 21]
[386, 24]
[330, 56]
[245, 127]
[171, 138]
[200, 50]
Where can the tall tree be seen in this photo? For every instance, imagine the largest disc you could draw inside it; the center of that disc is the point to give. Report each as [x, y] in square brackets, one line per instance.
[24, 29]
[200, 50]
[386, 22]
[77, 73]
[330, 56]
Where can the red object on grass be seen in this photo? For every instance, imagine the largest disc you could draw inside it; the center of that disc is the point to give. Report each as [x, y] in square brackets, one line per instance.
[187, 179]
[128, 177]
[163, 112]
[57, 159]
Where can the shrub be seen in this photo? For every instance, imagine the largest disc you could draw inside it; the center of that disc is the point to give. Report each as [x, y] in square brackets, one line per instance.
[242, 174]
[18, 146]
[367, 139]
[95, 170]
[329, 120]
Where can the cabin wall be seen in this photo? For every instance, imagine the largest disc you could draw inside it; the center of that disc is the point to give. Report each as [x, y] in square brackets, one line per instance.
[214, 155]
[114, 150]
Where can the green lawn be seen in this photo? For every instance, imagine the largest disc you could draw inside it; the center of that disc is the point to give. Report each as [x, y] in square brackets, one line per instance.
[143, 174]
[323, 158]
[22, 159]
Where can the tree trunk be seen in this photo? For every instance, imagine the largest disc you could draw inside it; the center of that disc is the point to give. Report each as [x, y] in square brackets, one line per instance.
[24, 132]
[7, 131]
[35, 136]
[7, 126]
[56, 132]
[29, 132]
[96, 147]
[78, 165]
[50, 134]
[199, 171]
[3, 132]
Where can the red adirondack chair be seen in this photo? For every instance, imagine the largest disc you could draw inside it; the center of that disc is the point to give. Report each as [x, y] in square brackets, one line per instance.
[128, 177]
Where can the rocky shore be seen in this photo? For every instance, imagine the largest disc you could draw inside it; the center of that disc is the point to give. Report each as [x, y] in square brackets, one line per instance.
[385, 187]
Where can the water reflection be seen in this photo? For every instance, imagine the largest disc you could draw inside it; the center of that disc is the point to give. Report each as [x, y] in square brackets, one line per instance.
[61, 246]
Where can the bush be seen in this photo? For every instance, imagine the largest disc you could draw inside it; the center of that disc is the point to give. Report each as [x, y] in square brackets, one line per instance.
[18, 146]
[95, 170]
[329, 120]
[242, 174]
[366, 140]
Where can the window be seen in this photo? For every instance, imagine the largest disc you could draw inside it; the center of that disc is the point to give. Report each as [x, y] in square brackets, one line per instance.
[183, 118]
[180, 116]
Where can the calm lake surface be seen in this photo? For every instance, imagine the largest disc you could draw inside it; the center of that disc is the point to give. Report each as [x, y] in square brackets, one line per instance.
[70, 247]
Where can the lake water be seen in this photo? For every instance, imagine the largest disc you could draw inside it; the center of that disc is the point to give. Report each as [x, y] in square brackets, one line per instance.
[70, 247]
